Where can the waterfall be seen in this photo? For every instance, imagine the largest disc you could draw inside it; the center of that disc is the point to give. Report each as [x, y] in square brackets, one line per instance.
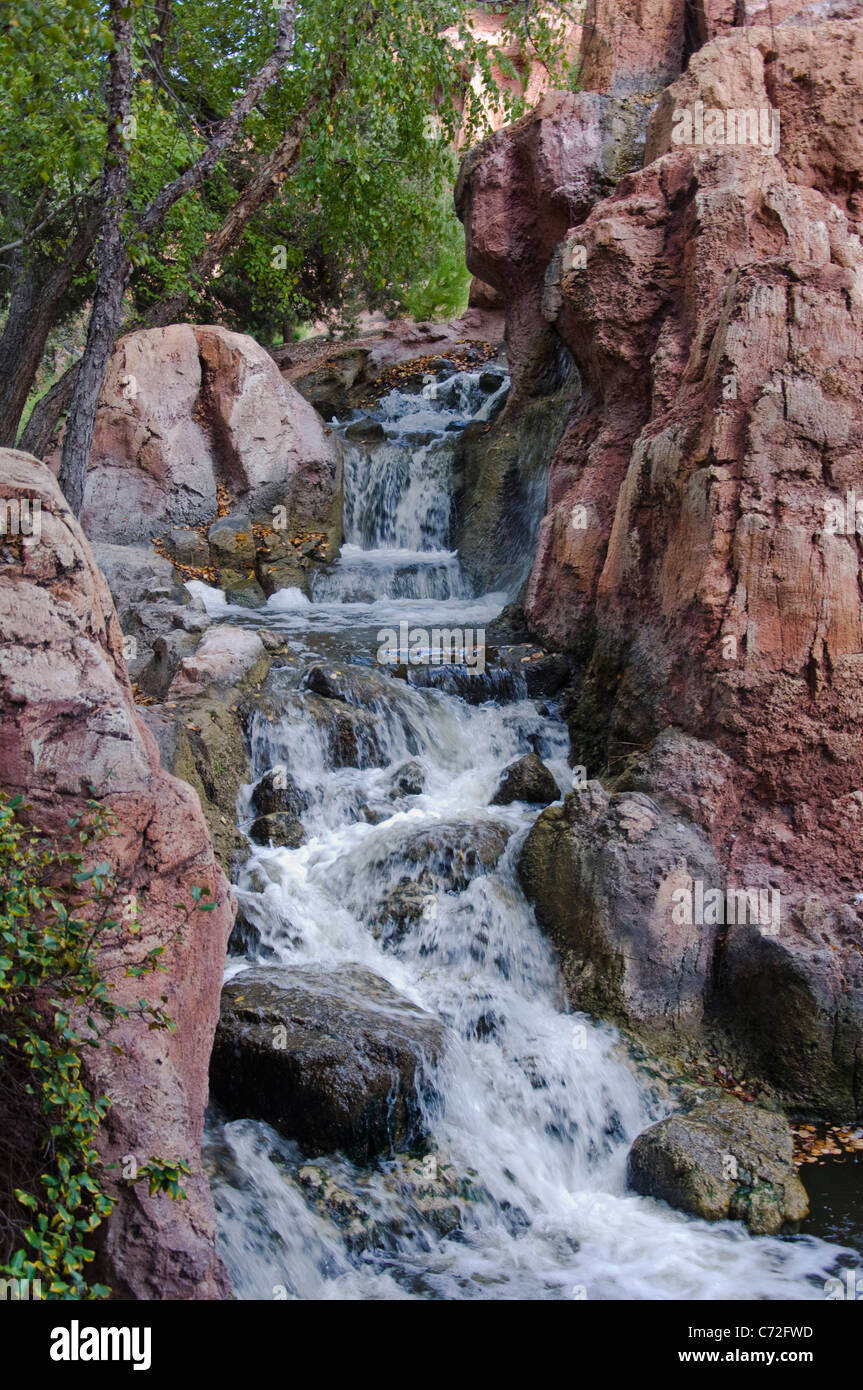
[520, 1192]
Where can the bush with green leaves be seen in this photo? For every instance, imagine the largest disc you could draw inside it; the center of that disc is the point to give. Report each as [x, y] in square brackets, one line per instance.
[57, 916]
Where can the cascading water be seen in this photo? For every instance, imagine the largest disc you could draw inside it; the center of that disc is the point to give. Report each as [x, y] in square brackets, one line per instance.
[521, 1191]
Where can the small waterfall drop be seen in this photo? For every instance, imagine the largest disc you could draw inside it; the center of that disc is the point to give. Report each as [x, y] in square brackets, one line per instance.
[520, 1190]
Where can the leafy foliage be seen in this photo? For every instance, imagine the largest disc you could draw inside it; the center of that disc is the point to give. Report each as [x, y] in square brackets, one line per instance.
[55, 1001]
[385, 89]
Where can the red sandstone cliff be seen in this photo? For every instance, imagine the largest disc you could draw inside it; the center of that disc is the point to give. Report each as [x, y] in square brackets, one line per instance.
[68, 731]
[695, 551]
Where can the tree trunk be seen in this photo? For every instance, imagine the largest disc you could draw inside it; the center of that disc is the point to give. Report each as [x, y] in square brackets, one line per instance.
[112, 262]
[39, 430]
[112, 266]
[34, 308]
[263, 185]
[257, 192]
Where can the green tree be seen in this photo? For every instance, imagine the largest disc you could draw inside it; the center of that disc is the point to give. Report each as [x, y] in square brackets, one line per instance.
[223, 159]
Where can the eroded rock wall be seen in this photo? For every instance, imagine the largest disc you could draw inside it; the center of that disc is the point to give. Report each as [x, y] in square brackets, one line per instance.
[69, 731]
[699, 552]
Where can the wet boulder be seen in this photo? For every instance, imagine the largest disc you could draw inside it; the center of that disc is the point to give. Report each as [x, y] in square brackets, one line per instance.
[449, 856]
[609, 878]
[335, 1059]
[407, 780]
[351, 734]
[365, 431]
[279, 828]
[721, 1160]
[544, 672]
[473, 686]
[278, 791]
[355, 685]
[529, 780]
[402, 908]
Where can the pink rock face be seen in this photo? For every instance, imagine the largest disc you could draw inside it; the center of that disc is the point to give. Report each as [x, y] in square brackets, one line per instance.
[716, 324]
[810, 75]
[631, 45]
[714, 18]
[185, 408]
[522, 188]
[701, 547]
[68, 724]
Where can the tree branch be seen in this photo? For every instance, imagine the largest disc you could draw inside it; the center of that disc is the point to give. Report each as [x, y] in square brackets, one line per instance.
[156, 211]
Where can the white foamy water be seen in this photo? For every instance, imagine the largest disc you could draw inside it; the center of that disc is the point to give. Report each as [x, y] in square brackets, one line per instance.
[533, 1108]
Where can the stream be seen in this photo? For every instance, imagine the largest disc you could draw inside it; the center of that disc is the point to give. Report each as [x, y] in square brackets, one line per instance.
[520, 1191]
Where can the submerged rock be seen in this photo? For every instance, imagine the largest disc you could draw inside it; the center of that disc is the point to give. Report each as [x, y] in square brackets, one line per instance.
[427, 1193]
[449, 856]
[722, 1159]
[351, 734]
[527, 779]
[335, 1059]
[245, 938]
[469, 684]
[407, 780]
[278, 828]
[402, 908]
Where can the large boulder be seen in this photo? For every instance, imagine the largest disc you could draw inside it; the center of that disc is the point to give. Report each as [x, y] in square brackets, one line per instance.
[225, 657]
[792, 1003]
[603, 873]
[185, 410]
[527, 779]
[334, 1058]
[69, 731]
[137, 575]
[722, 1159]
